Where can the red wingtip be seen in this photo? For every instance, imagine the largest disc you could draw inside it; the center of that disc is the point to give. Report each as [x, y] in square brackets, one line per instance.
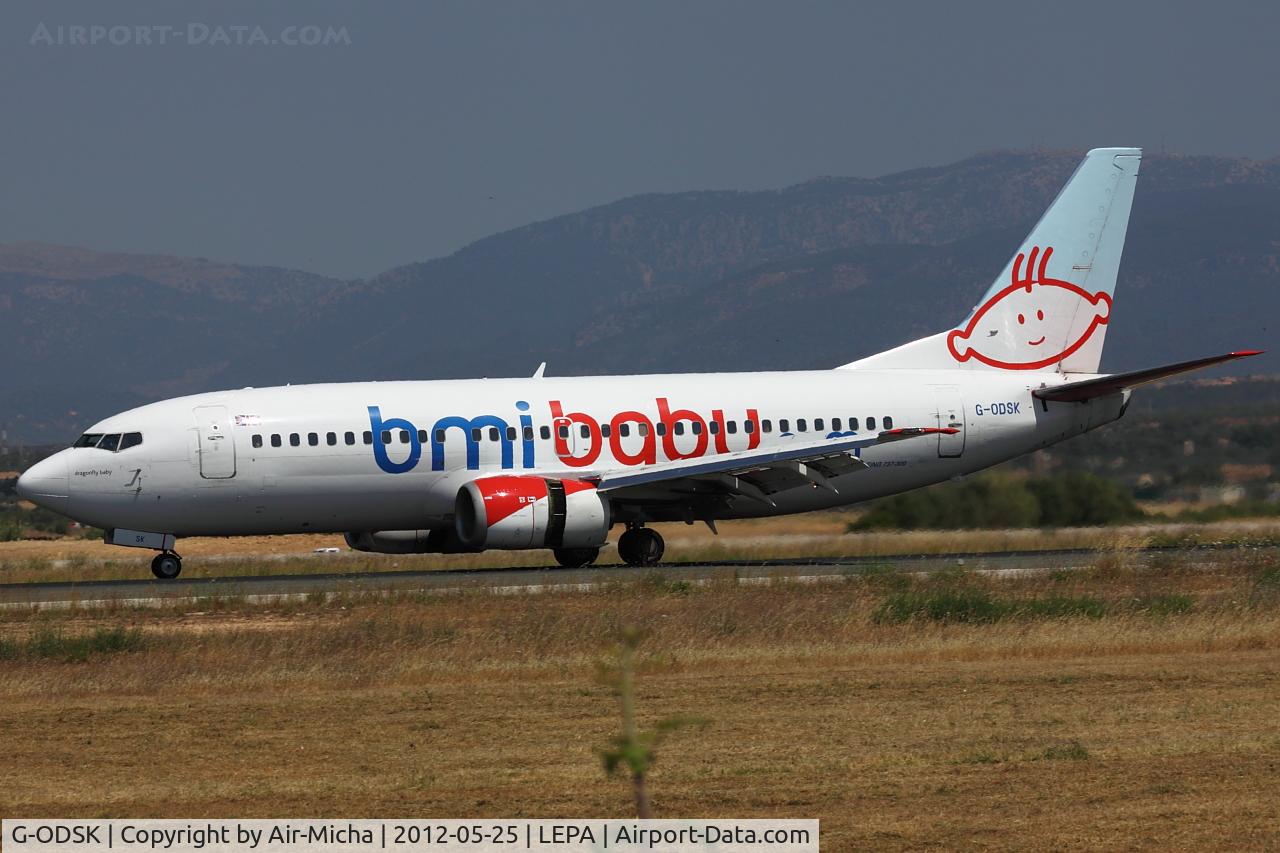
[1246, 352]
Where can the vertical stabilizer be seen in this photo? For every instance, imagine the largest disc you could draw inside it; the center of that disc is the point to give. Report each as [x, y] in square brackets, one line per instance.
[1050, 306]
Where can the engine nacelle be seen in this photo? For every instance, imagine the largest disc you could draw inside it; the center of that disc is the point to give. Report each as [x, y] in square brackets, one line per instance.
[407, 542]
[514, 513]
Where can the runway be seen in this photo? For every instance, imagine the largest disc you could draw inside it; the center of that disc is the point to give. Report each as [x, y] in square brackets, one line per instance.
[265, 588]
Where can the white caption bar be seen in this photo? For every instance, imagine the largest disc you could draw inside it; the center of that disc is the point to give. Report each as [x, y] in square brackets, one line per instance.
[403, 836]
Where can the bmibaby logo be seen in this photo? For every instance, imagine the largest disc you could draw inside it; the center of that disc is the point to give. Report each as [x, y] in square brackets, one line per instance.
[1040, 304]
[579, 439]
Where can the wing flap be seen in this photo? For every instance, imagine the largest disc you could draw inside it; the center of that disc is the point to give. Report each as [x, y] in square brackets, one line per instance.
[781, 476]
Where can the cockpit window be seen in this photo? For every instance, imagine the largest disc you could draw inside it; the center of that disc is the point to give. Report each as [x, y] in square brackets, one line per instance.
[113, 442]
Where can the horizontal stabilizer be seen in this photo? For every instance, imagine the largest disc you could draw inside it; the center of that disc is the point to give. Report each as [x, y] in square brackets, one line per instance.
[1078, 392]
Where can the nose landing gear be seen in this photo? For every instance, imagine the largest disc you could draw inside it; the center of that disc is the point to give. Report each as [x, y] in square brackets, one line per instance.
[640, 546]
[166, 566]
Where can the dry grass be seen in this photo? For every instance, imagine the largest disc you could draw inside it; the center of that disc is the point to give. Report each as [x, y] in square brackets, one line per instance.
[1145, 727]
[816, 535]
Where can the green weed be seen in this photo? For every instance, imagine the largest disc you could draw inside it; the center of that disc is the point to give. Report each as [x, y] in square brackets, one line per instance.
[52, 644]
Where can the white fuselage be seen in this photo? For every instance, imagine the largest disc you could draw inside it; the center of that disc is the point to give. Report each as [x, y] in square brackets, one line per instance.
[312, 458]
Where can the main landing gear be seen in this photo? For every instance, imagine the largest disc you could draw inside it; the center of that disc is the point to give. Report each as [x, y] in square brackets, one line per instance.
[166, 566]
[640, 546]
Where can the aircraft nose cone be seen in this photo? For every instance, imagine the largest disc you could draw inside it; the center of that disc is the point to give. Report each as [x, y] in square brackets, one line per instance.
[47, 483]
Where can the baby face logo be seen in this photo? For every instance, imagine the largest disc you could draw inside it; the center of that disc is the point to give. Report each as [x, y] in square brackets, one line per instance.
[1026, 325]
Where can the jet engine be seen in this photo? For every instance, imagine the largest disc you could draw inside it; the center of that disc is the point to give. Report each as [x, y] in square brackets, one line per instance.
[515, 512]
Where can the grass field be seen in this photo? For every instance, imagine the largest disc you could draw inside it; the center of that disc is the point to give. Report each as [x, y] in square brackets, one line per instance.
[1115, 707]
[812, 535]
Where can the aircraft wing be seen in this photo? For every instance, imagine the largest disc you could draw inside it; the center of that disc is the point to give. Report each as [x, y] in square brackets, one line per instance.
[1087, 389]
[757, 474]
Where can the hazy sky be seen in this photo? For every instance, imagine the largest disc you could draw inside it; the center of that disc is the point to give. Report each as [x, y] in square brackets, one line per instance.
[436, 124]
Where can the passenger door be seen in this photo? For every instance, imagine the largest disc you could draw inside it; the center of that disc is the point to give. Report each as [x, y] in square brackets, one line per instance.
[217, 448]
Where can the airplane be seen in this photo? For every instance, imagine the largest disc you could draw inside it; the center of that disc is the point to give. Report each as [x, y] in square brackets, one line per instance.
[454, 466]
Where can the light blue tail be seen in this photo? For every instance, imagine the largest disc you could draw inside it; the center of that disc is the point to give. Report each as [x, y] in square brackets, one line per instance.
[1050, 306]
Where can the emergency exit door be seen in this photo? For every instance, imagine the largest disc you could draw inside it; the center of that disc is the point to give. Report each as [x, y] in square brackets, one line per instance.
[949, 410]
[217, 450]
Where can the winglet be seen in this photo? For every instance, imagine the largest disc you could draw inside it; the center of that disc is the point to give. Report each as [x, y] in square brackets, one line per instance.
[542, 368]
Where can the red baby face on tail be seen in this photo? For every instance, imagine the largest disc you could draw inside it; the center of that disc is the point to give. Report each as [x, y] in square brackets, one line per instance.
[1026, 325]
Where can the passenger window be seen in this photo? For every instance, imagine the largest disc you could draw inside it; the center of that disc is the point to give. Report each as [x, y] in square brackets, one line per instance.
[801, 425]
[836, 424]
[586, 431]
[439, 436]
[661, 428]
[715, 427]
[511, 433]
[605, 429]
[678, 427]
[817, 424]
[748, 427]
[545, 432]
[422, 436]
[888, 422]
[133, 439]
[367, 437]
[696, 426]
[784, 425]
[476, 433]
[643, 429]
[257, 441]
[871, 423]
[624, 429]
[493, 433]
[349, 437]
[731, 427]
[386, 436]
[404, 436]
[331, 438]
[528, 433]
[766, 425]
[313, 439]
[295, 440]
[275, 439]
[563, 431]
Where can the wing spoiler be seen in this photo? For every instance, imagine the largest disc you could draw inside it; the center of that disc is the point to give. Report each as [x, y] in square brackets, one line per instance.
[1079, 392]
[747, 460]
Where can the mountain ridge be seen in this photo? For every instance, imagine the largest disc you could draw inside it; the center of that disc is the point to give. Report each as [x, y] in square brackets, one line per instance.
[810, 275]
